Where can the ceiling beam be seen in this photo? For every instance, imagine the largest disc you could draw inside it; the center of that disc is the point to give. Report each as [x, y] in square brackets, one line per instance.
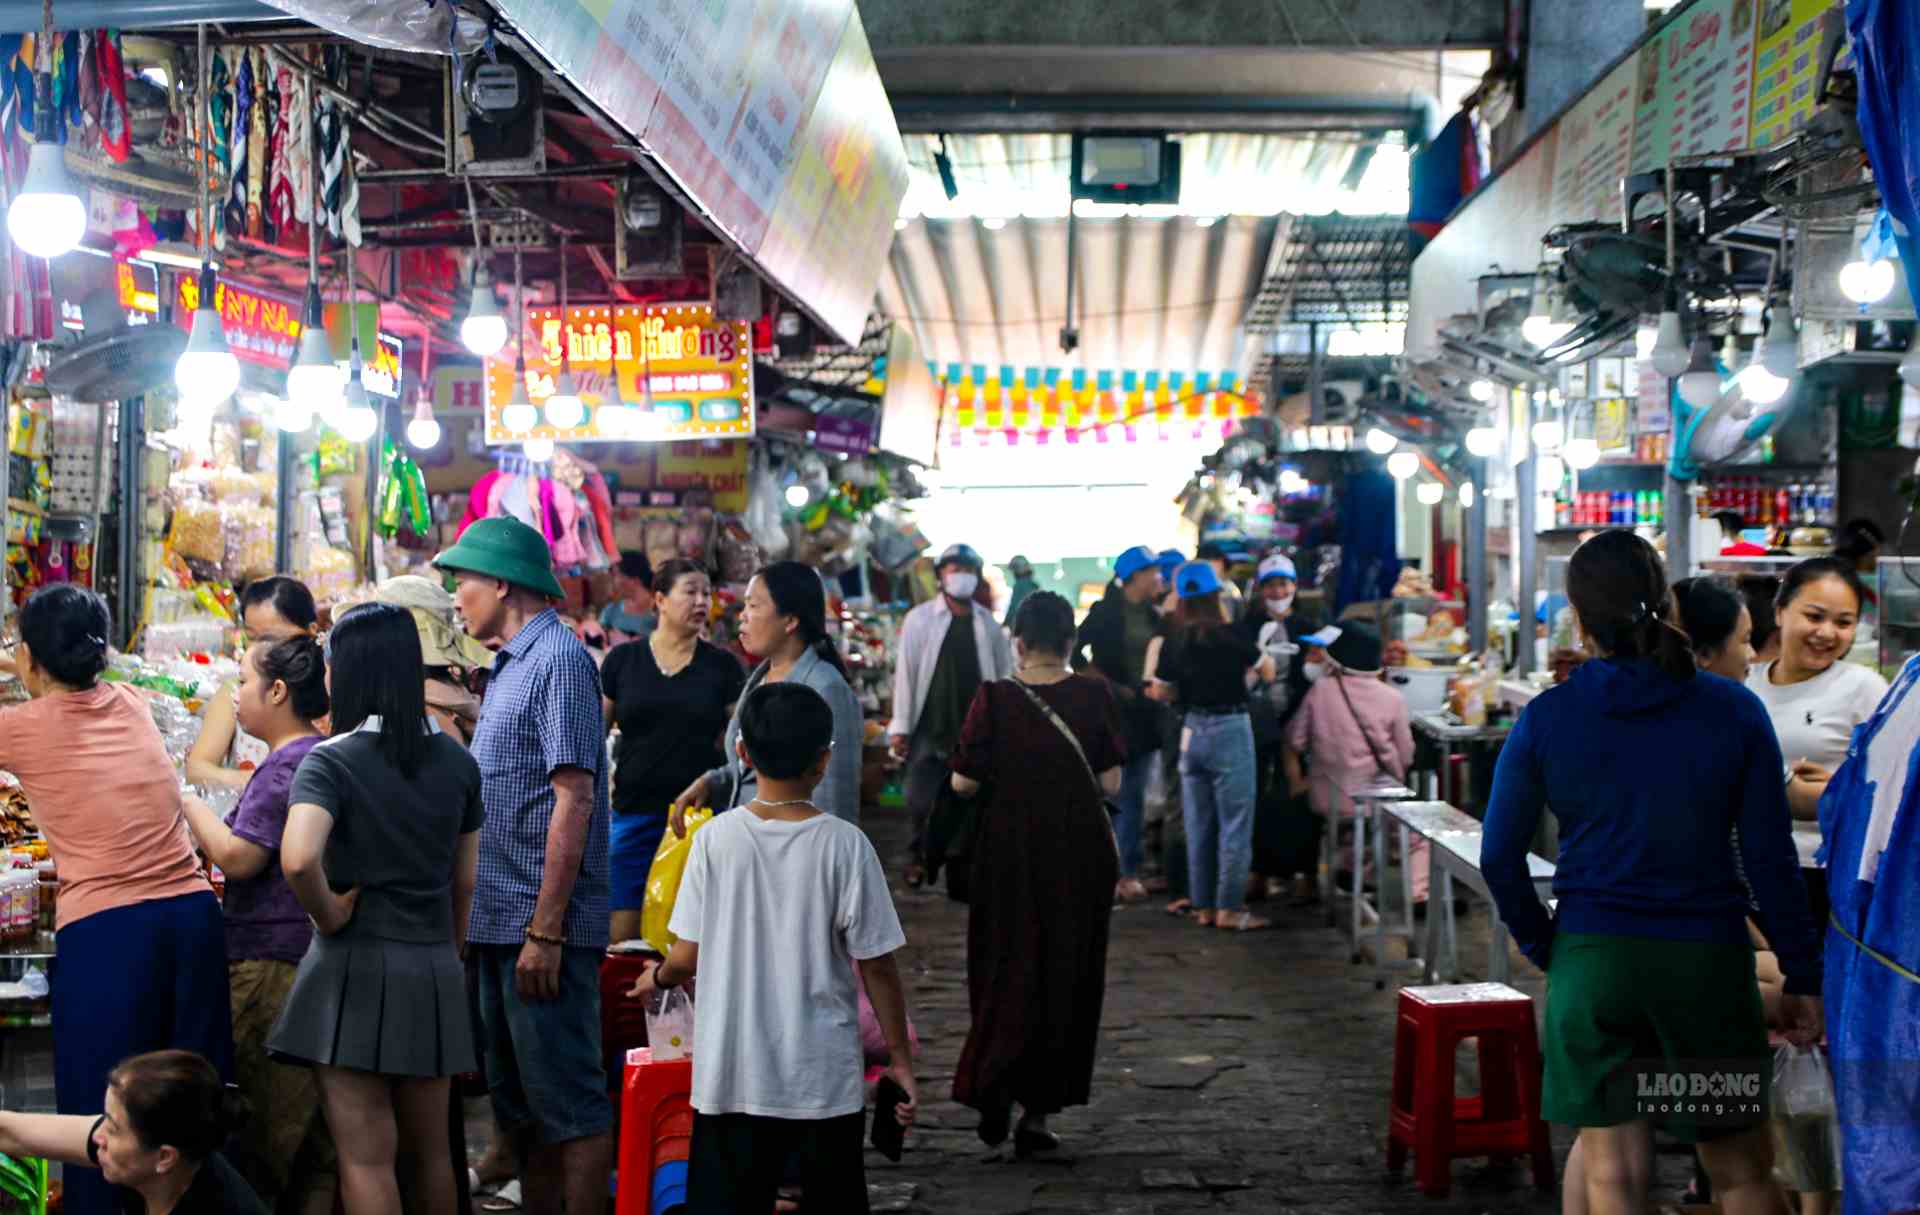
[1371, 24]
[974, 114]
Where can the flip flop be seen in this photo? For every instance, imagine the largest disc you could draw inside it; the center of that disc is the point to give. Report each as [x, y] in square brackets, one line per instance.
[507, 1198]
[1241, 921]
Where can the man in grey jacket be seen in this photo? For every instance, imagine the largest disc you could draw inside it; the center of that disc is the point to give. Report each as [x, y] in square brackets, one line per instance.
[949, 646]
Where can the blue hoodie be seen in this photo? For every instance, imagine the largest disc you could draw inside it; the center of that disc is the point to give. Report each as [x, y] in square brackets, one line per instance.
[1648, 776]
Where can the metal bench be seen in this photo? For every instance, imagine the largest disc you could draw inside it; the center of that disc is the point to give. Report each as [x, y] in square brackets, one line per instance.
[1456, 840]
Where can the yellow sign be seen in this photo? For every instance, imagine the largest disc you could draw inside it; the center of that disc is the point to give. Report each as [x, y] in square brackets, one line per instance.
[694, 372]
[1786, 67]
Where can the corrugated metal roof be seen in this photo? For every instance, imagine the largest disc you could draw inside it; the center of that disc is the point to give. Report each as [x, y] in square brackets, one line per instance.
[1152, 294]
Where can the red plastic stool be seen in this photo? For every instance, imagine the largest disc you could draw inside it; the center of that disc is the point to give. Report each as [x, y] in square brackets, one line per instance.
[1424, 1115]
[656, 1128]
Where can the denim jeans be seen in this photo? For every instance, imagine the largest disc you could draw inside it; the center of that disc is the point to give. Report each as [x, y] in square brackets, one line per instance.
[1217, 796]
[1130, 824]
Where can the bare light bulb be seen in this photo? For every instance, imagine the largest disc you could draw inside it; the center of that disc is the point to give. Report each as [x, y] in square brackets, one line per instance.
[423, 432]
[1780, 348]
[798, 496]
[1866, 282]
[1481, 390]
[1430, 493]
[1548, 434]
[1700, 382]
[538, 450]
[292, 416]
[1379, 442]
[47, 217]
[207, 372]
[1482, 441]
[358, 419]
[1582, 454]
[518, 414]
[314, 380]
[484, 331]
[1669, 352]
[1466, 495]
[565, 409]
[1758, 383]
[1403, 464]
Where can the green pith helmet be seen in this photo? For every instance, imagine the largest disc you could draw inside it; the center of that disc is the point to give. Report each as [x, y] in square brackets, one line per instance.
[506, 549]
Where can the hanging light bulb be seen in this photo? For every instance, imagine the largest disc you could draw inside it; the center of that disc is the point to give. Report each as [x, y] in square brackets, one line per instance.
[1669, 351]
[207, 372]
[1430, 493]
[1581, 454]
[1481, 390]
[1548, 433]
[1867, 282]
[1643, 339]
[357, 418]
[615, 418]
[1551, 473]
[47, 217]
[1758, 383]
[1910, 365]
[292, 416]
[484, 331]
[1466, 495]
[1482, 441]
[1700, 382]
[519, 415]
[1780, 348]
[798, 496]
[1538, 327]
[538, 450]
[1403, 464]
[314, 382]
[565, 409]
[423, 432]
[1379, 442]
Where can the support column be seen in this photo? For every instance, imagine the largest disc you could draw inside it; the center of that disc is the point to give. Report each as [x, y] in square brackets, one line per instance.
[1474, 523]
[1525, 557]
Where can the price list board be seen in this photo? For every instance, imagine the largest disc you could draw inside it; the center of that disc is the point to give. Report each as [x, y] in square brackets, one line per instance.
[1695, 84]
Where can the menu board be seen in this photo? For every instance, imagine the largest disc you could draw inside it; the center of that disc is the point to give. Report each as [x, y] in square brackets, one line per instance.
[1695, 84]
[1786, 67]
[1596, 148]
[848, 177]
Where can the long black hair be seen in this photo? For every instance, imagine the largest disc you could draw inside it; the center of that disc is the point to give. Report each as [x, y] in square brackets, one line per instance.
[66, 627]
[1709, 613]
[289, 597]
[374, 654]
[796, 591]
[1760, 590]
[1619, 590]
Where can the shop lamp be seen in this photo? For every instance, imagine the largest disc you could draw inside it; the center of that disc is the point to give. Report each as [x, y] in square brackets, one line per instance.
[291, 415]
[1910, 365]
[358, 419]
[1466, 495]
[1780, 347]
[1481, 390]
[798, 496]
[47, 217]
[1581, 454]
[1867, 282]
[423, 432]
[207, 372]
[1430, 493]
[484, 331]
[1700, 382]
[519, 415]
[1403, 464]
[1669, 350]
[1643, 339]
[1379, 442]
[538, 450]
[1548, 434]
[313, 382]
[1482, 441]
[1758, 383]
[564, 408]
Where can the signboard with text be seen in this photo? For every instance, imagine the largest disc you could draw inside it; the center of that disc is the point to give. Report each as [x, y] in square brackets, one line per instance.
[263, 327]
[696, 371]
[1596, 148]
[1695, 78]
[1786, 67]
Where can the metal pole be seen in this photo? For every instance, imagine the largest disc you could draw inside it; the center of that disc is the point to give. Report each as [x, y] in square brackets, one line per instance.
[133, 496]
[1478, 592]
[1316, 407]
[287, 464]
[1525, 552]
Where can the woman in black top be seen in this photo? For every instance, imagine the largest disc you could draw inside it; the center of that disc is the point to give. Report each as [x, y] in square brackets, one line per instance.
[671, 696]
[1205, 665]
[157, 1143]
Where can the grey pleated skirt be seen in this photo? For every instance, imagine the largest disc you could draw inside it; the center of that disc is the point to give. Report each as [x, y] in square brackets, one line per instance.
[392, 1007]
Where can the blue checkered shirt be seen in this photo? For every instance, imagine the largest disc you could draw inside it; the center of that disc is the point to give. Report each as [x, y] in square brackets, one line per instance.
[541, 713]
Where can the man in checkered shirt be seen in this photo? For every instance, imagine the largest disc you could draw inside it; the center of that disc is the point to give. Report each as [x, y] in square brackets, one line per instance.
[540, 910]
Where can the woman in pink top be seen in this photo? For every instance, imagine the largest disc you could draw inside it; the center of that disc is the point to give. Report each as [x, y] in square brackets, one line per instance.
[142, 954]
[1350, 730]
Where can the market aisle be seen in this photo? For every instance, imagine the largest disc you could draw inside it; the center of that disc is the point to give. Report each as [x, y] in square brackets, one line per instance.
[1244, 1073]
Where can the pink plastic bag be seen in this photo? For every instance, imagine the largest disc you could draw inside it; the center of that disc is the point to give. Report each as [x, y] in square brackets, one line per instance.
[873, 1039]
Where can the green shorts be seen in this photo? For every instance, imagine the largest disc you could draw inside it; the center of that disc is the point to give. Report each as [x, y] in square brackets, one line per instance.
[1669, 1032]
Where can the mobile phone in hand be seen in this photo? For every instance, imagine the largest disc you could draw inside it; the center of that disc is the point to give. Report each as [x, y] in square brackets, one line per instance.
[889, 1137]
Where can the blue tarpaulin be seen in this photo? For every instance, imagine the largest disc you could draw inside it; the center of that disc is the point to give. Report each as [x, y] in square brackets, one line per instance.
[1870, 818]
[1369, 558]
[1886, 50]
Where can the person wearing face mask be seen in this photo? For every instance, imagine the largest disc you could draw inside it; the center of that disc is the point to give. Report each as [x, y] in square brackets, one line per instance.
[1270, 624]
[948, 648]
[1813, 695]
[1113, 643]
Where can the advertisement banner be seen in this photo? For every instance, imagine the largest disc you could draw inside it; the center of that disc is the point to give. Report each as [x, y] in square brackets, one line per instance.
[1786, 65]
[263, 326]
[698, 372]
[1596, 148]
[1695, 78]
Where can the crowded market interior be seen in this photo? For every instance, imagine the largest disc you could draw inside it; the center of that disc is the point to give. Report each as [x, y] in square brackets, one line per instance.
[1382, 445]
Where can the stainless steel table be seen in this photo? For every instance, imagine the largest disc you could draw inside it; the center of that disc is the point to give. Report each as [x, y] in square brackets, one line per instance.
[1451, 736]
[1456, 840]
[1368, 799]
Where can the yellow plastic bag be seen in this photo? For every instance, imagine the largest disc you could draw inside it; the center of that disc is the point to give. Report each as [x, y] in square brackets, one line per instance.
[663, 881]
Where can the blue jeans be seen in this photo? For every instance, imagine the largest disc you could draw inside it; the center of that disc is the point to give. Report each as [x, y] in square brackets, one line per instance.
[1131, 823]
[1217, 801]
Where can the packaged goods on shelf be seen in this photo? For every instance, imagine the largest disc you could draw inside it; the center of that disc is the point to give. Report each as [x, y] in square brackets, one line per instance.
[198, 532]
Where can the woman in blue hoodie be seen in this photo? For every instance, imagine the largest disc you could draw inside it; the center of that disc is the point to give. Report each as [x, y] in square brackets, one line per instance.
[1648, 764]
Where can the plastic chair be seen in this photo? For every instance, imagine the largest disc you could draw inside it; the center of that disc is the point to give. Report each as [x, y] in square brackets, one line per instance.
[656, 1133]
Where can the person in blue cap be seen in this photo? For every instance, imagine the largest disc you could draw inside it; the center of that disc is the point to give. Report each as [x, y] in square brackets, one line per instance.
[1223, 558]
[1113, 642]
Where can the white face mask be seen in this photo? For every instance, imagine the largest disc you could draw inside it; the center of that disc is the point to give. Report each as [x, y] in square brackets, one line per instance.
[1314, 670]
[1279, 604]
[960, 584]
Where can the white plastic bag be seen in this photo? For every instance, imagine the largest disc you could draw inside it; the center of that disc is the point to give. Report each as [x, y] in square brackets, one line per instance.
[1806, 1128]
[670, 1026]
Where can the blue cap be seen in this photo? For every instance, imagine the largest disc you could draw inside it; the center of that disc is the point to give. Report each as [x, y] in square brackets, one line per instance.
[1169, 560]
[1131, 562]
[1323, 637]
[1196, 578]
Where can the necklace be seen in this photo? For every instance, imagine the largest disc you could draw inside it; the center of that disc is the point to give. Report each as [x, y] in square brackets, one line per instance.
[1043, 666]
[797, 801]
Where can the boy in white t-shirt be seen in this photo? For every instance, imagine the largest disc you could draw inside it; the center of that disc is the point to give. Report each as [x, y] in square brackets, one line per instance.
[777, 903]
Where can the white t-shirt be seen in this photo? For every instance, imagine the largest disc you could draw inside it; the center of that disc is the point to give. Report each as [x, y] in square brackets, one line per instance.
[781, 911]
[1814, 720]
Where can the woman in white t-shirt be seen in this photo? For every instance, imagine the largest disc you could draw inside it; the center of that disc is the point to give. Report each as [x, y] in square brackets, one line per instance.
[1814, 696]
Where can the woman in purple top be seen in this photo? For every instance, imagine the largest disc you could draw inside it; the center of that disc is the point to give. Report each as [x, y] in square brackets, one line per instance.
[284, 1149]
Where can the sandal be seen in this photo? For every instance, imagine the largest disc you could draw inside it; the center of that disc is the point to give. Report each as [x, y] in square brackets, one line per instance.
[1203, 918]
[1179, 907]
[507, 1198]
[1241, 921]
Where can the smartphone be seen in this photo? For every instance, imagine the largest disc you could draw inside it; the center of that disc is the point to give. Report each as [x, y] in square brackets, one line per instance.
[889, 1137]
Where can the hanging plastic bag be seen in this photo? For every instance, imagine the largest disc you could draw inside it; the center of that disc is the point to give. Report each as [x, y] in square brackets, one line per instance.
[1806, 1130]
[670, 1025]
[663, 882]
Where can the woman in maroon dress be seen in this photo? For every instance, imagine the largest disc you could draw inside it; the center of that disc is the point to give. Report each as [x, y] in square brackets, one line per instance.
[1043, 871]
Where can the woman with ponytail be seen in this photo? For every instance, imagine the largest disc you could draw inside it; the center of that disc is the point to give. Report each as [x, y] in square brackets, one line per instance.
[785, 626]
[157, 1143]
[1648, 764]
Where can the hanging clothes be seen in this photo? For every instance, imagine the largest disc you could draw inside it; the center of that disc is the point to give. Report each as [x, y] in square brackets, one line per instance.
[339, 187]
[1870, 822]
[477, 499]
[293, 164]
[233, 214]
[566, 545]
[602, 503]
[264, 102]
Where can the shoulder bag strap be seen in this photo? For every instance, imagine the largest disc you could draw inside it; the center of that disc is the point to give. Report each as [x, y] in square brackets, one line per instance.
[1046, 710]
[1361, 725]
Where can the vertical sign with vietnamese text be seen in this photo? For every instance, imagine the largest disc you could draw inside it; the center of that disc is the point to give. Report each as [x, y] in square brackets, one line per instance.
[1695, 84]
[1786, 67]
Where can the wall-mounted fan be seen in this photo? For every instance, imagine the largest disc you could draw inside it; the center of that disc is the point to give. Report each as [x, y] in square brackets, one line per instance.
[1725, 431]
[114, 360]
